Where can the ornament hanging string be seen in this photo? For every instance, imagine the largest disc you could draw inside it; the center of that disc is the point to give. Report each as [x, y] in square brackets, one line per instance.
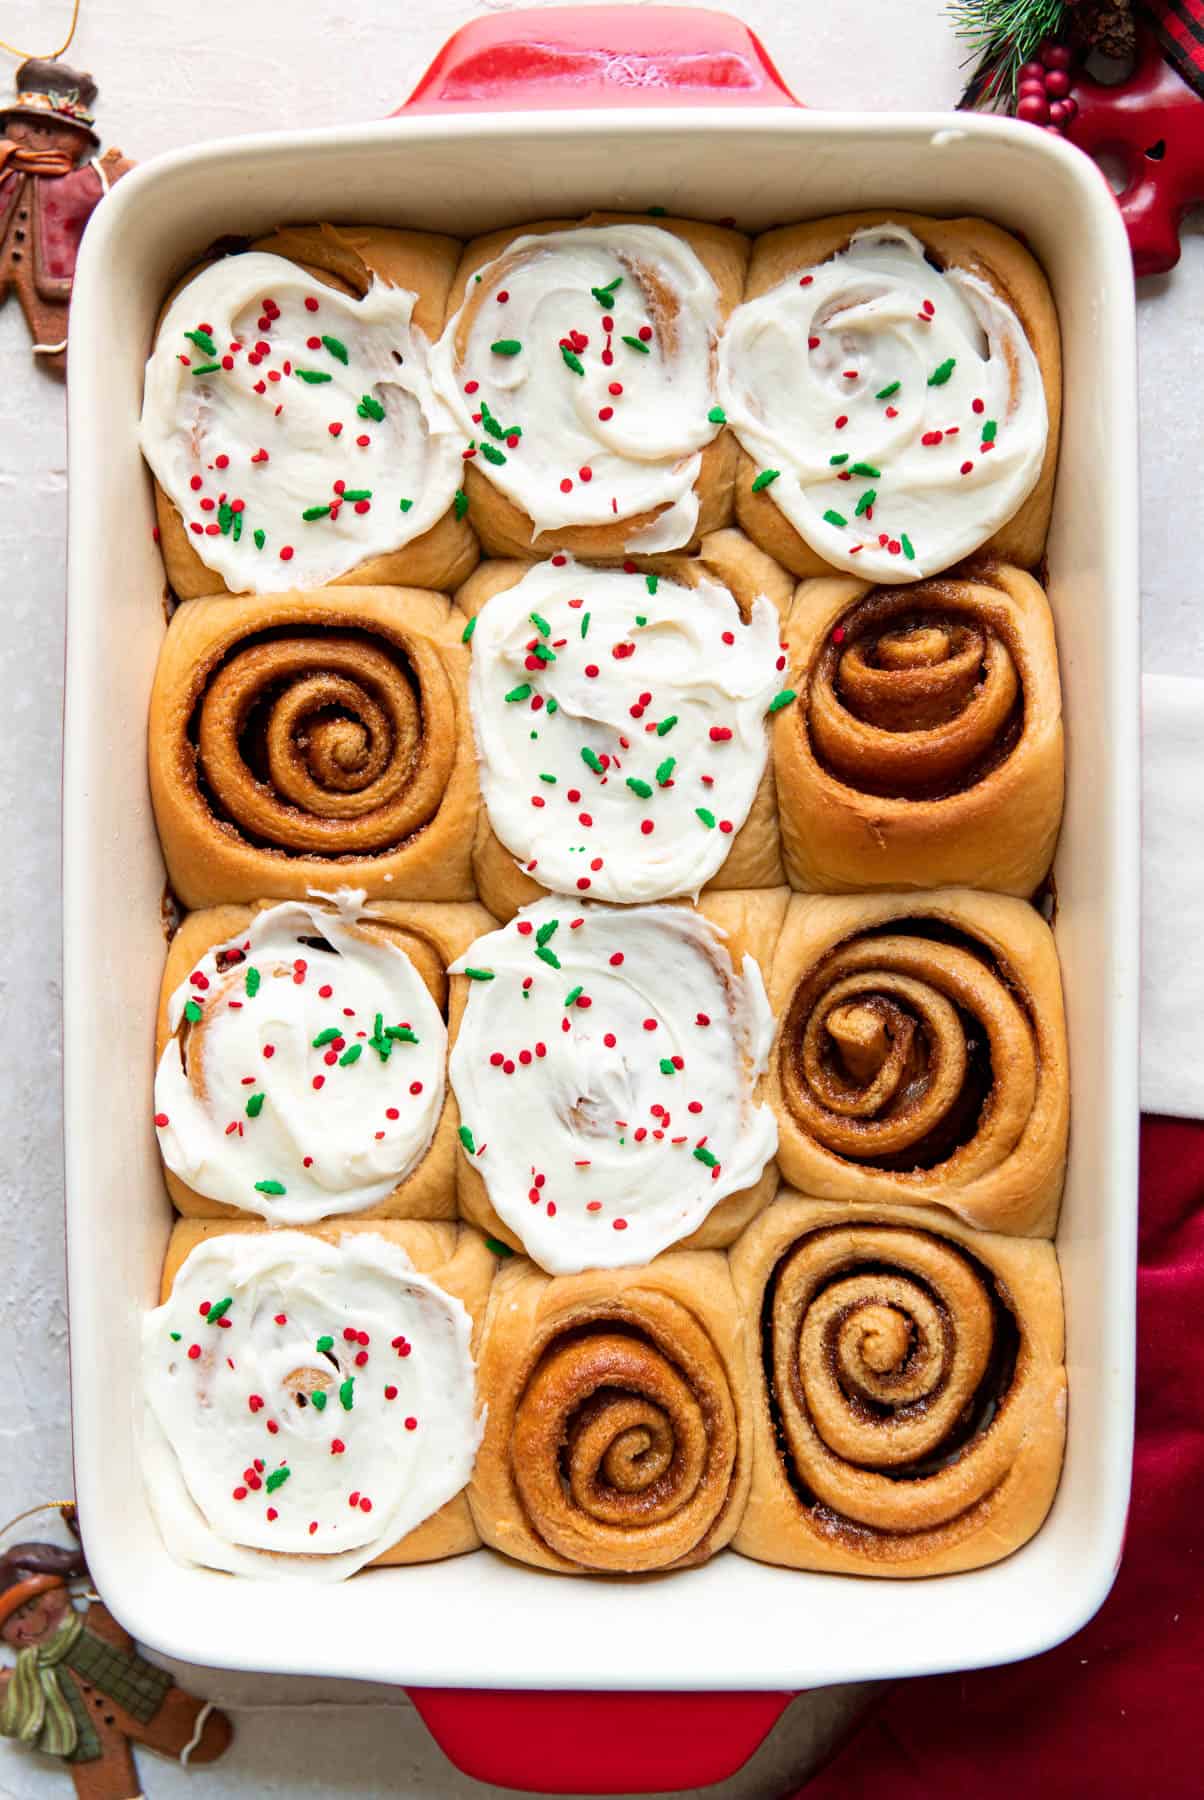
[49, 55]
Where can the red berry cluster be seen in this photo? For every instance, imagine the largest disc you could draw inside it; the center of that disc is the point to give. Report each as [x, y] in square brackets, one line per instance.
[1043, 94]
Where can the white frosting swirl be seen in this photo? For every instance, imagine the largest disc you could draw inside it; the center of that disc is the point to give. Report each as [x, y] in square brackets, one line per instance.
[302, 1078]
[902, 408]
[620, 726]
[246, 450]
[230, 1403]
[614, 1106]
[605, 372]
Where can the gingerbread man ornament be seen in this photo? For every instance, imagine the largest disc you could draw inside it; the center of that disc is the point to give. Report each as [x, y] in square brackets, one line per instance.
[51, 182]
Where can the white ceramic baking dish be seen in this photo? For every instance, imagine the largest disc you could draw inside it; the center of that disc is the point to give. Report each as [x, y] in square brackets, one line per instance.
[480, 1621]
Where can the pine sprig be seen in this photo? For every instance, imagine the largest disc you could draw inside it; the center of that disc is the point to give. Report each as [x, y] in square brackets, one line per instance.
[1002, 35]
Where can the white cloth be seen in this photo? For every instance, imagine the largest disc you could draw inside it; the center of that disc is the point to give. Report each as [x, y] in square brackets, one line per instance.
[1172, 864]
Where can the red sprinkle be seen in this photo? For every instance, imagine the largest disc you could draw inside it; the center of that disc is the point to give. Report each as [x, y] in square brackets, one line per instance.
[311, 305]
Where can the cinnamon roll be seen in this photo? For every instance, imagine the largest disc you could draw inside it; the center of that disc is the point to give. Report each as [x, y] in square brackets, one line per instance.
[302, 1060]
[921, 1055]
[926, 746]
[909, 1410]
[310, 1396]
[895, 384]
[616, 1416]
[303, 741]
[580, 363]
[290, 421]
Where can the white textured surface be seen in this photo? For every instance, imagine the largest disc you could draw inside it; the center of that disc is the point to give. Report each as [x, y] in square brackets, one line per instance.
[176, 76]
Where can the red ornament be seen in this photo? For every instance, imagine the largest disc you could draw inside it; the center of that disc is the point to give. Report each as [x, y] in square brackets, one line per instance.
[1032, 109]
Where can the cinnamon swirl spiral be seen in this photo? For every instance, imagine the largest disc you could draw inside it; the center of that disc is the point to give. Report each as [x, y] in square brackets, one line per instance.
[911, 1408]
[615, 1437]
[302, 742]
[926, 748]
[921, 1055]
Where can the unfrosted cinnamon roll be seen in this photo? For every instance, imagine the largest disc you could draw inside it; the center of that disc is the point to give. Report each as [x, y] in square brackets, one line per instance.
[909, 1409]
[616, 1423]
[921, 1055]
[303, 741]
[926, 745]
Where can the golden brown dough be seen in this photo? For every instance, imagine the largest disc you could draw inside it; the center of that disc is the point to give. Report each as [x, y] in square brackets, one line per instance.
[754, 859]
[432, 935]
[503, 528]
[921, 1055]
[347, 257]
[909, 1399]
[926, 747]
[453, 1256]
[314, 740]
[616, 1430]
[997, 258]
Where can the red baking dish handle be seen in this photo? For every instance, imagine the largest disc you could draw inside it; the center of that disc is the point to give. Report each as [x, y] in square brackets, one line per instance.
[619, 1743]
[563, 58]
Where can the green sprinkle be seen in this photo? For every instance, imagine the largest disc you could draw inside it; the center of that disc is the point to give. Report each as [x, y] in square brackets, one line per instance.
[460, 503]
[653, 582]
[665, 771]
[553, 706]
[225, 517]
[252, 983]
[667, 1066]
[401, 1034]
[642, 788]
[585, 624]
[942, 372]
[237, 531]
[315, 512]
[908, 548]
[841, 457]
[988, 431]
[782, 699]
[325, 1037]
[479, 974]
[468, 630]
[548, 956]
[640, 619]
[573, 995]
[405, 505]
[867, 469]
[637, 344]
[550, 779]
[666, 725]
[571, 358]
[521, 692]
[605, 296]
[347, 1393]
[336, 347]
[590, 759]
[717, 416]
[866, 501]
[175, 1337]
[219, 1310]
[275, 1480]
[370, 408]
[886, 392]
[835, 518]
[541, 624]
[547, 931]
[705, 1156]
[356, 494]
[203, 342]
[544, 654]
[351, 1054]
[261, 538]
[764, 478]
[490, 422]
[466, 1139]
[492, 454]
[206, 369]
[499, 1249]
[318, 1399]
[324, 1343]
[254, 1106]
[707, 817]
[506, 347]
[270, 1187]
[313, 376]
[192, 1012]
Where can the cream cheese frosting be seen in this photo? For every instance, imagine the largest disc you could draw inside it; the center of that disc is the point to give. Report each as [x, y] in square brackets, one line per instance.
[896, 411]
[605, 1069]
[620, 726]
[307, 1404]
[294, 427]
[305, 1073]
[581, 364]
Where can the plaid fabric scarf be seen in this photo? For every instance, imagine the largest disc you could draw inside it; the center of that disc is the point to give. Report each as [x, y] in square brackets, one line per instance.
[1180, 28]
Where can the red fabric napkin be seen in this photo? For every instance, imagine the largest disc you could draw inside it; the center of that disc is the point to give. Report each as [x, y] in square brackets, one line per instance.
[1180, 28]
[1117, 1711]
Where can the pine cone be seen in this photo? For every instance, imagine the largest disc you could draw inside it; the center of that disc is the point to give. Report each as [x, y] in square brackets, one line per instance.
[1104, 25]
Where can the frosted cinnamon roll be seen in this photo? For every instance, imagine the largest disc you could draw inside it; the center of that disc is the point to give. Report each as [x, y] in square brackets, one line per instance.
[580, 363]
[290, 422]
[307, 741]
[921, 1055]
[895, 384]
[616, 1416]
[926, 745]
[310, 1396]
[909, 1411]
[302, 1056]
